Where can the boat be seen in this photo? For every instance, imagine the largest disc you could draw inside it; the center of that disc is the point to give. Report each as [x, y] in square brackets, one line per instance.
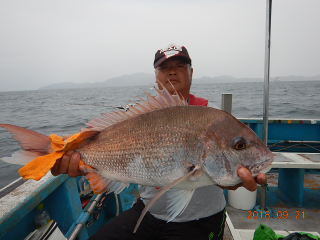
[60, 195]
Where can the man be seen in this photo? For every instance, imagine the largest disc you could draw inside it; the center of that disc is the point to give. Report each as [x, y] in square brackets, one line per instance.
[204, 216]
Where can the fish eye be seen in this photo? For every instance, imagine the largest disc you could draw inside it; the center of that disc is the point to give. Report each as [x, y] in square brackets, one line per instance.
[239, 144]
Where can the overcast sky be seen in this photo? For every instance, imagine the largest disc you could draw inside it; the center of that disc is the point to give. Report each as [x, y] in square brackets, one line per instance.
[46, 42]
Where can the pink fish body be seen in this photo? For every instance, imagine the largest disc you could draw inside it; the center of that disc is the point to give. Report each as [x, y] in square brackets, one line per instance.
[158, 147]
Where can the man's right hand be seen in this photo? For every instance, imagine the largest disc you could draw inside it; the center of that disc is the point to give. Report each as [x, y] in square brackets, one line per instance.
[68, 164]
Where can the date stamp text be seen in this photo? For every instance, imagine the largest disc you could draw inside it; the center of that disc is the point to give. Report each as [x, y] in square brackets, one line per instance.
[278, 215]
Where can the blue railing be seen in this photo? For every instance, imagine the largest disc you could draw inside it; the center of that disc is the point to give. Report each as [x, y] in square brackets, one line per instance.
[289, 135]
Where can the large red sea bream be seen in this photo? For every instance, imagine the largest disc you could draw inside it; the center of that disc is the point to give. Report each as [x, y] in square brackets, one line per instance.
[161, 142]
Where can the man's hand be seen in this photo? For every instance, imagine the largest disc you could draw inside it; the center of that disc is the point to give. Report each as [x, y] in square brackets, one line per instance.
[249, 182]
[68, 164]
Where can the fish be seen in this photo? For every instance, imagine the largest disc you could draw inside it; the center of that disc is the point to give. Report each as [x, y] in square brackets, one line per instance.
[161, 142]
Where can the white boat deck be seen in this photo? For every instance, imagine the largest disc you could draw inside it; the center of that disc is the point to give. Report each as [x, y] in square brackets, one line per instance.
[296, 160]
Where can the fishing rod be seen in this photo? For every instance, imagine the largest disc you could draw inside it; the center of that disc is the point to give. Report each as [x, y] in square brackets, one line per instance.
[266, 92]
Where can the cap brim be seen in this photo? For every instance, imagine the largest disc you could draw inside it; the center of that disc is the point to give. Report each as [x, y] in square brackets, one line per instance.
[164, 58]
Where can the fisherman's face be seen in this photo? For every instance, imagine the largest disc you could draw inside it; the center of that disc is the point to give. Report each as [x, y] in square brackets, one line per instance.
[177, 72]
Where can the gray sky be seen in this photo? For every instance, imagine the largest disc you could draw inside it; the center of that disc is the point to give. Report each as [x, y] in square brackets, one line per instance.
[46, 42]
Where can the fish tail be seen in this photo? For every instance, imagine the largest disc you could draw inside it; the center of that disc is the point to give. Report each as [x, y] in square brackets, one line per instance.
[33, 145]
[39, 152]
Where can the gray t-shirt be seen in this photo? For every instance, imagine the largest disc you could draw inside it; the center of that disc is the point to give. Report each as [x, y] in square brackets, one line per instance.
[205, 202]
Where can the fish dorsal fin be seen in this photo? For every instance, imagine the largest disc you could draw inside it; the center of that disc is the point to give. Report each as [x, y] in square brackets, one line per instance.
[163, 100]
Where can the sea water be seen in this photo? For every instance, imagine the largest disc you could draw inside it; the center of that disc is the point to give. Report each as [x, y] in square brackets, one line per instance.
[64, 111]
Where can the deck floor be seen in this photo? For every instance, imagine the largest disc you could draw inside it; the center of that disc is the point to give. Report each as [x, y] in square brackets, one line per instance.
[227, 234]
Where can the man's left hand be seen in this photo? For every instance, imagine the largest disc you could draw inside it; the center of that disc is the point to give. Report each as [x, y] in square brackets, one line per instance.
[249, 182]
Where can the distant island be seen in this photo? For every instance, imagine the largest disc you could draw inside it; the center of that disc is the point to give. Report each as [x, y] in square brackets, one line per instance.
[138, 79]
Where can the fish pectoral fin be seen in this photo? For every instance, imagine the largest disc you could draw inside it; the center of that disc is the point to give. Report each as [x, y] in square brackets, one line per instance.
[101, 184]
[178, 201]
[160, 193]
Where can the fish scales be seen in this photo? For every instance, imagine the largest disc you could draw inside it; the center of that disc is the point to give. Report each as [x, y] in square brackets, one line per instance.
[152, 148]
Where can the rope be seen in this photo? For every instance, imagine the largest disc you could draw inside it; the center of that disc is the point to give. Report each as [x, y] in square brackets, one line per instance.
[291, 146]
[265, 185]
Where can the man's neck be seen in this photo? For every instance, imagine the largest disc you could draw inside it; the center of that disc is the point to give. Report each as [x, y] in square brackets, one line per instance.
[186, 97]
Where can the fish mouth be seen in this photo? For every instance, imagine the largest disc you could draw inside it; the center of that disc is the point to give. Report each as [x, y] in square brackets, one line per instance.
[262, 167]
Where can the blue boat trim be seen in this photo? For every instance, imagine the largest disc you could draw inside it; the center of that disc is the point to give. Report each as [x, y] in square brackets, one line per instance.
[16, 214]
[283, 134]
